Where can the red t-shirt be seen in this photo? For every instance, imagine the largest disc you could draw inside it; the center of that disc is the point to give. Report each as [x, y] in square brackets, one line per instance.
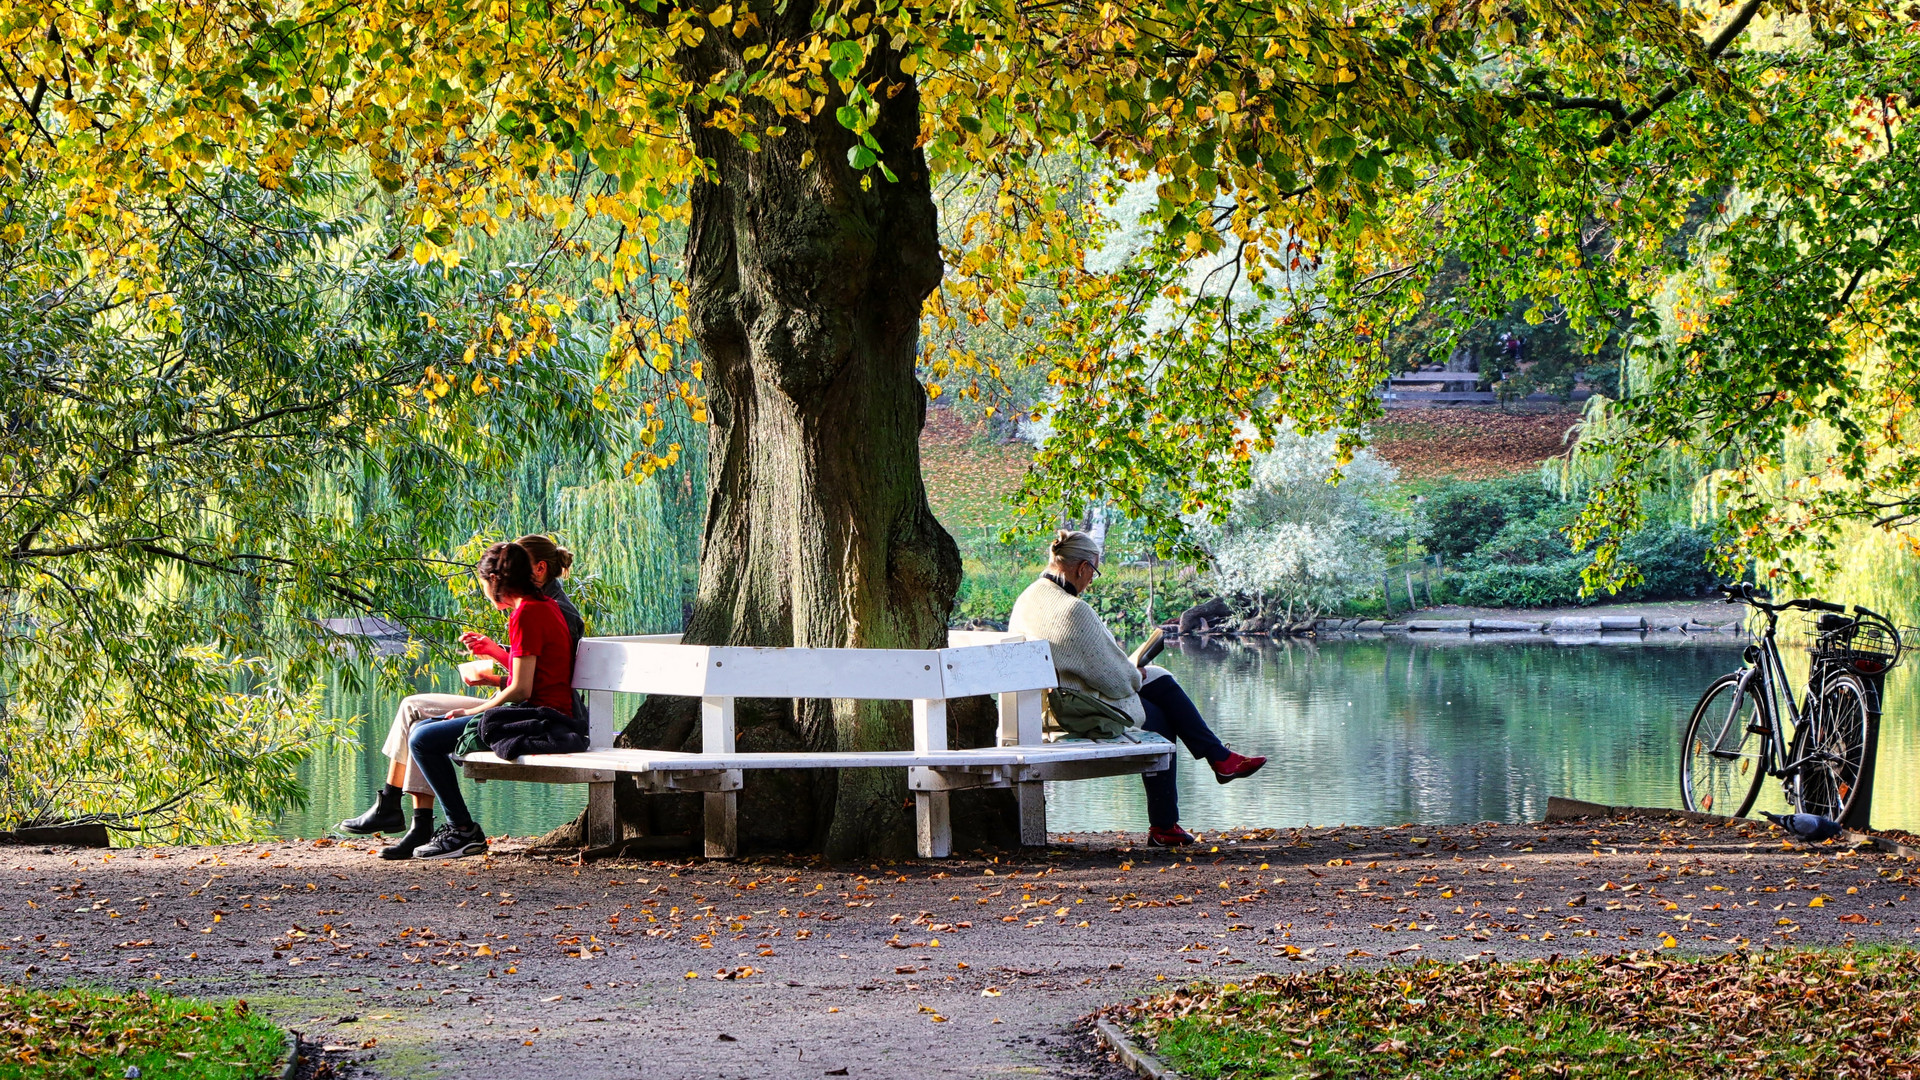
[537, 629]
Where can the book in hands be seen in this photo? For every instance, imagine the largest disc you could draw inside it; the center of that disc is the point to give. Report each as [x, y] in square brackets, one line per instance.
[473, 669]
[1156, 642]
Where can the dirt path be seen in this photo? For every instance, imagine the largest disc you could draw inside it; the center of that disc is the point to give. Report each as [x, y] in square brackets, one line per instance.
[512, 967]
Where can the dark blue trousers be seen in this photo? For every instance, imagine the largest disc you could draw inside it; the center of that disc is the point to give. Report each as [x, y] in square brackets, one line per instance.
[1171, 714]
[431, 745]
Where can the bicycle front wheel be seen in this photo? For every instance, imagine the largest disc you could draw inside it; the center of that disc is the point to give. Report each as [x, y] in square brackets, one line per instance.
[1834, 752]
[1723, 756]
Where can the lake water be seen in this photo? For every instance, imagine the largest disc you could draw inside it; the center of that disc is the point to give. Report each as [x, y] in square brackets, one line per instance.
[1432, 729]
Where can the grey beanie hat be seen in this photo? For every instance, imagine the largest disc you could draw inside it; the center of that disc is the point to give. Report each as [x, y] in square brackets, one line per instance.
[1071, 547]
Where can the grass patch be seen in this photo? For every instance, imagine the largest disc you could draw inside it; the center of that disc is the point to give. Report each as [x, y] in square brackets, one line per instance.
[1800, 1013]
[79, 1032]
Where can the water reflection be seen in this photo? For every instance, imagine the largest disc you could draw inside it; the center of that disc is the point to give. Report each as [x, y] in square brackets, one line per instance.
[1371, 732]
[342, 779]
[1388, 730]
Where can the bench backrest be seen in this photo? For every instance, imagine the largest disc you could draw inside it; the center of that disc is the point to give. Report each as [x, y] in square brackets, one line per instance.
[658, 664]
[974, 663]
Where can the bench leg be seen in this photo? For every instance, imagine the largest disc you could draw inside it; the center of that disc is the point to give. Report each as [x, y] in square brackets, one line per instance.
[602, 823]
[723, 824]
[933, 817]
[1032, 795]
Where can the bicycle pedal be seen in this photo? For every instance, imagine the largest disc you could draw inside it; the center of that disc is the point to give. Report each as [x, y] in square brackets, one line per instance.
[1757, 729]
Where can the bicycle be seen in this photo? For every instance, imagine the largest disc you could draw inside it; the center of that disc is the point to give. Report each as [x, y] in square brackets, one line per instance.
[1734, 738]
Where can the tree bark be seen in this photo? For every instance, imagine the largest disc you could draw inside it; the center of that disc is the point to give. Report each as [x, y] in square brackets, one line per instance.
[806, 282]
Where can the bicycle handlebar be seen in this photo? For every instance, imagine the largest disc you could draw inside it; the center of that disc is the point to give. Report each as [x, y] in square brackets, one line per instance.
[1743, 592]
[1747, 593]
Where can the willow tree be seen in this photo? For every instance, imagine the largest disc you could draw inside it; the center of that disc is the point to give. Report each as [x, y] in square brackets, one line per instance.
[1286, 146]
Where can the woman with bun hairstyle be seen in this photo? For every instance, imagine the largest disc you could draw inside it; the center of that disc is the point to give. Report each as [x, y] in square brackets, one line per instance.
[1086, 658]
[551, 562]
[540, 676]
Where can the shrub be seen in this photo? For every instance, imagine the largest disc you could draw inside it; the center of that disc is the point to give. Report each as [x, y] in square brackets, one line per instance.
[1671, 558]
[1294, 545]
[1120, 598]
[1554, 584]
[1297, 569]
[1673, 561]
[1466, 514]
[1525, 542]
[988, 590]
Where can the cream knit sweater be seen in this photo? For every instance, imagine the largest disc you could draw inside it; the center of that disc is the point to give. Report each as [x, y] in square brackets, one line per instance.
[1085, 654]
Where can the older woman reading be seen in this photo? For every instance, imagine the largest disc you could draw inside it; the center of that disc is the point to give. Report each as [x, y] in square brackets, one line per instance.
[1089, 663]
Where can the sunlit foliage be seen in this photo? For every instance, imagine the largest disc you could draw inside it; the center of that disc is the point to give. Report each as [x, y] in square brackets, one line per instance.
[167, 549]
[1726, 186]
[1360, 140]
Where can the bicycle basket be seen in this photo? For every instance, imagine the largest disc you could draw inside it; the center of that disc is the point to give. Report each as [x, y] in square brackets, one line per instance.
[1861, 647]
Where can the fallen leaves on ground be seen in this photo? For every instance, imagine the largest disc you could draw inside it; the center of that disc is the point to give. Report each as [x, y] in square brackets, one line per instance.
[970, 479]
[1470, 444]
[78, 1032]
[1799, 1013]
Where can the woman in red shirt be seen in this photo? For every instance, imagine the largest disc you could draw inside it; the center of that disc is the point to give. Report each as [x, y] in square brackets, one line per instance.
[539, 680]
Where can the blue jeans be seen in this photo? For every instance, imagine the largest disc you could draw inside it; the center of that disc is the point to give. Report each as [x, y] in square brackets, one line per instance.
[431, 745]
[1171, 714]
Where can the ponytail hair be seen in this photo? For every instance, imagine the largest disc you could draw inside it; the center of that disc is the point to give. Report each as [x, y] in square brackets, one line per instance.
[510, 569]
[543, 549]
[1072, 547]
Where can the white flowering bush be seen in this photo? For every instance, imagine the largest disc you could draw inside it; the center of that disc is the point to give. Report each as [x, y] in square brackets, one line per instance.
[1296, 545]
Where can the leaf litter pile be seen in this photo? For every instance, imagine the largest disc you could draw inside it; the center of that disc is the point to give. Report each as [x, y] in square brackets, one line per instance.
[1469, 444]
[1789, 1013]
[82, 1033]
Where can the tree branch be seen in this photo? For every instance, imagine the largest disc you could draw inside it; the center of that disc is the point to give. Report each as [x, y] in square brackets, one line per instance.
[1715, 48]
[1593, 104]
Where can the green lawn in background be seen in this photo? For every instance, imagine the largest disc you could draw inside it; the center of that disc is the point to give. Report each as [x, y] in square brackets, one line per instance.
[1650, 1016]
[77, 1032]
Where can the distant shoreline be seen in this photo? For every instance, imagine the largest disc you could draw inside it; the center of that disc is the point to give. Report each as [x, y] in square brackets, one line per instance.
[1669, 621]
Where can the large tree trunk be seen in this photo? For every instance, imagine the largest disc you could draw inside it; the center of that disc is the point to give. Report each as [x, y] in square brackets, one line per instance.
[806, 287]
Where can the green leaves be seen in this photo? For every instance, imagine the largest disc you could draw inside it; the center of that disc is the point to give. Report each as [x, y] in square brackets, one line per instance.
[848, 58]
[180, 518]
[1331, 156]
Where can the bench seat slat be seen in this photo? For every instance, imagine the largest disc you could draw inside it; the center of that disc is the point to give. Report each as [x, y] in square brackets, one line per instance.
[641, 761]
[972, 664]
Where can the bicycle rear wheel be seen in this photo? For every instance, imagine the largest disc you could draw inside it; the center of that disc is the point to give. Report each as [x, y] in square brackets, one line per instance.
[1834, 750]
[1722, 757]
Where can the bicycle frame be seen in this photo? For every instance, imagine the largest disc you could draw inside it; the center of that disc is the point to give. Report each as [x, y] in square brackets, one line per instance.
[1771, 670]
[1814, 745]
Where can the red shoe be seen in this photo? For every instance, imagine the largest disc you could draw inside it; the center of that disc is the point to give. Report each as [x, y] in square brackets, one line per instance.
[1233, 767]
[1170, 836]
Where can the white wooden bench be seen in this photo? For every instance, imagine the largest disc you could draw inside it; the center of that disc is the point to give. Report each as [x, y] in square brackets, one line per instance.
[973, 664]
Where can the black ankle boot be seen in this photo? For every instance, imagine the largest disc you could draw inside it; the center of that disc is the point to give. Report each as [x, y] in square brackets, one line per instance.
[385, 817]
[421, 832]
